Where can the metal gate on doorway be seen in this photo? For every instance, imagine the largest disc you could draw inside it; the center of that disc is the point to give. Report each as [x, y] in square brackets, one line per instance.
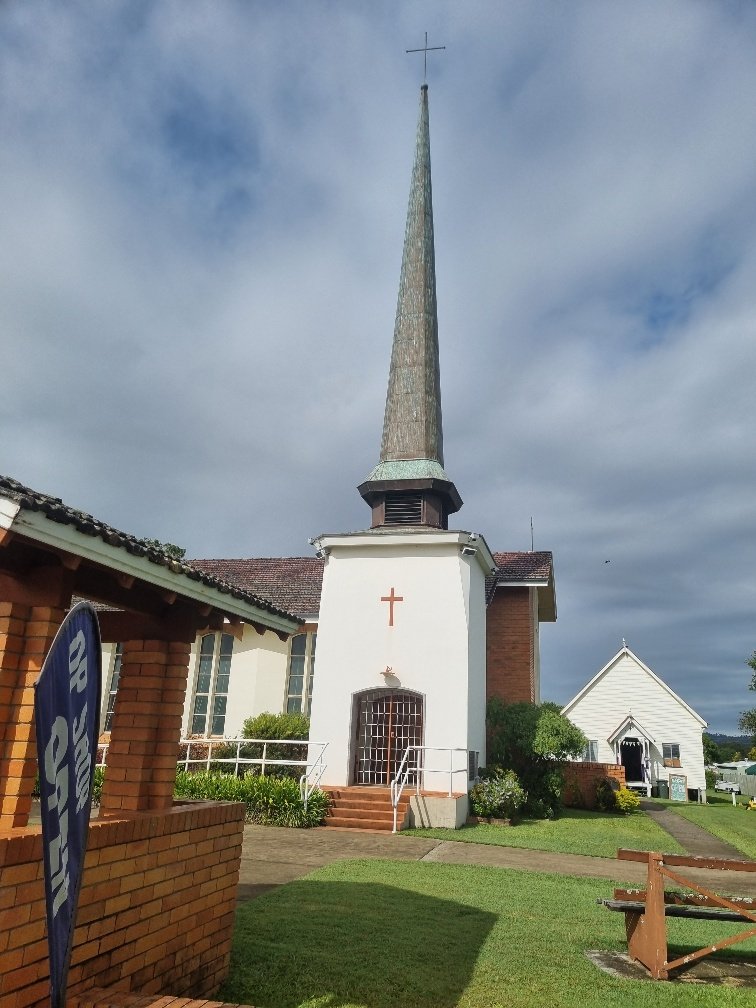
[387, 722]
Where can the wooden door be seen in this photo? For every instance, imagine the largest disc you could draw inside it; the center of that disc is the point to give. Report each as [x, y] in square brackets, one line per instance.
[387, 722]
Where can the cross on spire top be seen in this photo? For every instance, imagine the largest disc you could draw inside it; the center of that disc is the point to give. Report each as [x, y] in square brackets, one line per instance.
[425, 50]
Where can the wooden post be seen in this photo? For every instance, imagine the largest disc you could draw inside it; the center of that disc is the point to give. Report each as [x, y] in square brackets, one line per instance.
[647, 932]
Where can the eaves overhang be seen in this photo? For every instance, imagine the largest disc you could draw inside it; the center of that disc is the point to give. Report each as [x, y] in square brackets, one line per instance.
[180, 578]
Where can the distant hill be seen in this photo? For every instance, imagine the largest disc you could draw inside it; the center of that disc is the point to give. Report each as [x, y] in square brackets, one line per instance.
[739, 741]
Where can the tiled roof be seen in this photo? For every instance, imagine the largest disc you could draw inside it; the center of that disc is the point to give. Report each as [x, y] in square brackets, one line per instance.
[520, 568]
[293, 583]
[523, 566]
[55, 510]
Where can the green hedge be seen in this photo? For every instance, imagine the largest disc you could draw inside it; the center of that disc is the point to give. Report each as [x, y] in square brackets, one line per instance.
[270, 801]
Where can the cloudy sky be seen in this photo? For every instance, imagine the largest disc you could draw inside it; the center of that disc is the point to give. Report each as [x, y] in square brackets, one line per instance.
[202, 208]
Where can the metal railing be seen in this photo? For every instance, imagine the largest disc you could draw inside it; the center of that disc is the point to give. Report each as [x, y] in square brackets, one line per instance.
[407, 767]
[308, 781]
[312, 776]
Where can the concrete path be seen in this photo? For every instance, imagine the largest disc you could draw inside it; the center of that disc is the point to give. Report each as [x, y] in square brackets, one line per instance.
[695, 840]
[273, 855]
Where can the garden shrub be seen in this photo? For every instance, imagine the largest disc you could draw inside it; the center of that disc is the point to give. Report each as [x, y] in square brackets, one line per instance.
[711, 779]
[270, 801]
[626, 800]
[498, 795]
[277, 726]
[532, 740]
[605, 794]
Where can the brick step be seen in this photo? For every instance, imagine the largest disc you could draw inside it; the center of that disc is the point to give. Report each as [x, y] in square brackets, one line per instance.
[361, 803]
[385, 815]
[364, 808]
[344, 822]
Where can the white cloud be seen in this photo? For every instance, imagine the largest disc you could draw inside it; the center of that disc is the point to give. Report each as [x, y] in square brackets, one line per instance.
[203, 211]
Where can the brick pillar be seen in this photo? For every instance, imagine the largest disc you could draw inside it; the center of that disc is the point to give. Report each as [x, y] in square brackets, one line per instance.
[146, 727]
[26, 633]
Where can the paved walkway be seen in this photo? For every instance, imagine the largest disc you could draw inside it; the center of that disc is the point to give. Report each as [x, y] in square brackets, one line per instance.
[695, 840]
[273, 855]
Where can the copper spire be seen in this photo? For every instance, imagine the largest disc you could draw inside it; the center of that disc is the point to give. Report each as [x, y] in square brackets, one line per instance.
[412, 452]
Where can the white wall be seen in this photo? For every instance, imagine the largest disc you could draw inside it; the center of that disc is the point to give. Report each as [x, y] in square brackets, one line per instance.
[627, 688]
[436, 646]
[257, 682]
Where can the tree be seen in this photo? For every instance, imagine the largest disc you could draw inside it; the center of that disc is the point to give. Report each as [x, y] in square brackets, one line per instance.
[710, 750]
[533, 740]
[747, 720]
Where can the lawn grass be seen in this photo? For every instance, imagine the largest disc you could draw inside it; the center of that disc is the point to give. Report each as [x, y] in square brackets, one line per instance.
[387, 934]
[574, 832]
[733, 824]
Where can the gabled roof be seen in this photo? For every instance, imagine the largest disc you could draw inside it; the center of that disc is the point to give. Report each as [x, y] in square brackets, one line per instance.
[624, 726]
[294, 583]
[623, 651]
[526, 570]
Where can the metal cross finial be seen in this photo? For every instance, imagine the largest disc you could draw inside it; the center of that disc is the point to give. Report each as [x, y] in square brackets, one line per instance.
[425, 50]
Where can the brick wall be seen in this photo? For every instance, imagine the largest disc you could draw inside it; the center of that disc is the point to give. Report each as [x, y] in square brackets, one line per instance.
[581, 780]
[510, 666]
[156, 908]
[26, 633]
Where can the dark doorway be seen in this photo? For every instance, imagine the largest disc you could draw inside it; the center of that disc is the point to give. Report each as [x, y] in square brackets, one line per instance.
[387, 722]
[631, 757]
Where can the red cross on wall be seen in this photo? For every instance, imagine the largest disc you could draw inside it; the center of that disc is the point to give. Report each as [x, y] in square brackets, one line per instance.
[391, 599]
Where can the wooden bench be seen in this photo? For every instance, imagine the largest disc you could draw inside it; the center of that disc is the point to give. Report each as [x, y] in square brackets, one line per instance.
[646, 910]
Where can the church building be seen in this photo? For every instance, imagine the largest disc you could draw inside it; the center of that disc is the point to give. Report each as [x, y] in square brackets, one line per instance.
[416, 625]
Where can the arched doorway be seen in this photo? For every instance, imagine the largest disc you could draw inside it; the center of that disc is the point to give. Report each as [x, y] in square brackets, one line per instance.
[387, 722]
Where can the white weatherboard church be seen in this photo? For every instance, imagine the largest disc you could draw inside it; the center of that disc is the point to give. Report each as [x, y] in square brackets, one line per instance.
[632, 717]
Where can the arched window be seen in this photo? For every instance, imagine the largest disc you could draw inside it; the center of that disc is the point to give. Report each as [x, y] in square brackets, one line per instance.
[301, 672]
[211, 689]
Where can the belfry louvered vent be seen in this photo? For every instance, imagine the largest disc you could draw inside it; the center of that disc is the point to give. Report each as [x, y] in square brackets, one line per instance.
[403, 509]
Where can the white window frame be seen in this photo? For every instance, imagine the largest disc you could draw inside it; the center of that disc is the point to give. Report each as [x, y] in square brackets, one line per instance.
[304, 696]
[114, 676]
[219, 670]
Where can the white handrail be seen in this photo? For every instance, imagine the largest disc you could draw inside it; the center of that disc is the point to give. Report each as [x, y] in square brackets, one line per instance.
[405, 769]
[307, 785]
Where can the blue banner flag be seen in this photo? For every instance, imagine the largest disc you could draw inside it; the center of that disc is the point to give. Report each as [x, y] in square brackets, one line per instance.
[67, 712]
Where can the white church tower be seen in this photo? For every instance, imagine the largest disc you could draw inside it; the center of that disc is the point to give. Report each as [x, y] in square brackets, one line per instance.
[402, 626]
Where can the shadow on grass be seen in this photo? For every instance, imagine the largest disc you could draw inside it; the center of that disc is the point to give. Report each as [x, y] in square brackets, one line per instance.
[330, 943]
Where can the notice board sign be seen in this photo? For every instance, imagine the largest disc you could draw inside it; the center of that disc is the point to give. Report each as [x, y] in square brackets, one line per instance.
[678, 787]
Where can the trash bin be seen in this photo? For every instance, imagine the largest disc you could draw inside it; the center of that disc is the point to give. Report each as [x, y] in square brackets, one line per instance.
[663, 788]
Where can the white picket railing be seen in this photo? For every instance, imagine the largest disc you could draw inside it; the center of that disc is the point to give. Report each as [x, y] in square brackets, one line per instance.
[407, 767]
[308, 781]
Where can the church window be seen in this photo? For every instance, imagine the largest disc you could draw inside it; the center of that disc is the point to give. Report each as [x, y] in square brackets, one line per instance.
[301, 672]
[211, 690]
[590, 754]
[671, 754]
[115, 675]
